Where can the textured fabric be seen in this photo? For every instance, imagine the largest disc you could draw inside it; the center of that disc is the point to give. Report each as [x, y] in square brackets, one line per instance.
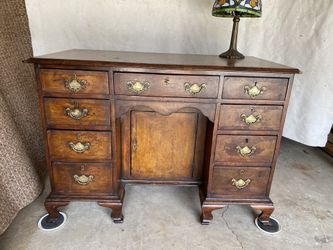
[21, 155]
[296, 33]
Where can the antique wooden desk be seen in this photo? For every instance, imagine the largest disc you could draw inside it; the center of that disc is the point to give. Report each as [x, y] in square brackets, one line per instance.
[115, 118]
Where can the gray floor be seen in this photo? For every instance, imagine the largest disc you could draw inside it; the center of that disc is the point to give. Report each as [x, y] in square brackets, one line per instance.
[162, 217]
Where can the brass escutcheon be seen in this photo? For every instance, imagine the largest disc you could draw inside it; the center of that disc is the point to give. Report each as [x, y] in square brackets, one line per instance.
[76, 113]
[254, 91]
[251, 119]
[138, 87]
[240, 184]
[194, 88]
[79, 147]
[245, 151]
[75, 84]
[83, 179]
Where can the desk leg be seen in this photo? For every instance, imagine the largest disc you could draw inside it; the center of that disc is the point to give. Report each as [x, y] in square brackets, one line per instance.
[264, 221]
[266, 212]
[206, 213]
[116, 213]
[53, 219]
[116, 206]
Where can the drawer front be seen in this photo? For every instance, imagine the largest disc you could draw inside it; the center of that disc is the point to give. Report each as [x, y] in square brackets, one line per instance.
[80, 145]
[249, 117]
[82, 178]
[74, 81]
[240, 182]
[245, 149]
[166, 85]
[255, 88]
[77, 112]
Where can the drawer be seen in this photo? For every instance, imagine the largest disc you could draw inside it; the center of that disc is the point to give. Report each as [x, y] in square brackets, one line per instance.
[90, 178]
[254, 88]
[79, 145]
[249, 117]
[245, 149]
[77, 113]
[166, 85]
[240, 182]
[74, 81]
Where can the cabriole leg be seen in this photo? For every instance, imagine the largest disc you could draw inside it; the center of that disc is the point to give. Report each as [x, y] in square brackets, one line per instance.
[53, 219]
[116, 213]
[264, 221]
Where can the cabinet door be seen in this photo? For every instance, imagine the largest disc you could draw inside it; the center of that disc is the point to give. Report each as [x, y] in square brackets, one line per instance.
[166, 147]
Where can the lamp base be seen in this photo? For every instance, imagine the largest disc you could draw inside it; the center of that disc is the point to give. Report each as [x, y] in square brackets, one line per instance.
[232, 54]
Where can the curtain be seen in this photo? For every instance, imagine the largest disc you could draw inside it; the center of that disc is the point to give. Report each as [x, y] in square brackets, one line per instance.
[21, 148]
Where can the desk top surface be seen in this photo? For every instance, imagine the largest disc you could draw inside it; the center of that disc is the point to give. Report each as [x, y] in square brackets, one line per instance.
[101, 58]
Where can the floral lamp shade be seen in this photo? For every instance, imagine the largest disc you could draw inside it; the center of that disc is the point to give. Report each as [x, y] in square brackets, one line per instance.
[240, 8]
[236, 9]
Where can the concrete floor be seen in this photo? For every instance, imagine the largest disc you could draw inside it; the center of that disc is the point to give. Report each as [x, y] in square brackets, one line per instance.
[163, 217]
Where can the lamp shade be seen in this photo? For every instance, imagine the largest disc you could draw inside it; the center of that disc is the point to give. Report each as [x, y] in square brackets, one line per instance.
[240, 8]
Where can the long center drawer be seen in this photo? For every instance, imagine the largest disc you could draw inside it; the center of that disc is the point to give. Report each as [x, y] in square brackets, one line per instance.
[166, 85]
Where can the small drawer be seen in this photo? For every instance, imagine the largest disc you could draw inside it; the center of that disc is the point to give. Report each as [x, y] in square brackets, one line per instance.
[74, 81]
[245, 149]
[249, 117]
[82, 178]
[77, 113]
[166, 85]
[254, 88]
[240, 182]
[79, 145]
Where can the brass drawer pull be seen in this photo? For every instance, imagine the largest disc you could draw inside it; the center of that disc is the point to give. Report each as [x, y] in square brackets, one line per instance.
[138, 87]
[240, 184]
[76, 113]
[194, 88]
[254, 91]
[83, 179]
[251, 119]
[245, 151]
[75, 84]
[79, 147]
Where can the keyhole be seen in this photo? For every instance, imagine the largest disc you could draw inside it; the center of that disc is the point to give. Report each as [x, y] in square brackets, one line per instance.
[166, 81]
[246, 140]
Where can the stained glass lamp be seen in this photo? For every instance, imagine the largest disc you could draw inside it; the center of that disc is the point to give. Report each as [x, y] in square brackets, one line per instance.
[236, 9]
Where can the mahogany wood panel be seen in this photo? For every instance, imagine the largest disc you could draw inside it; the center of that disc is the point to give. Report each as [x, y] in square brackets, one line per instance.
[53, 81]
[226, 148]
[102, 58]
[165, 147]
[273, 88]
[59, 148]
[223, 177]
[167, 85]
[166, 107]
[97, 113]
[233, 117]
[64, 181]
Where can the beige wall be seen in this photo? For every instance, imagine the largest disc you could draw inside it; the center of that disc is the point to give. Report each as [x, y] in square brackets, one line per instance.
[297, 33]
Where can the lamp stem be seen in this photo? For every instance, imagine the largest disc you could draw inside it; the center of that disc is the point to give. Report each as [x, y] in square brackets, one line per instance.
[234, 36]
[232, 53]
